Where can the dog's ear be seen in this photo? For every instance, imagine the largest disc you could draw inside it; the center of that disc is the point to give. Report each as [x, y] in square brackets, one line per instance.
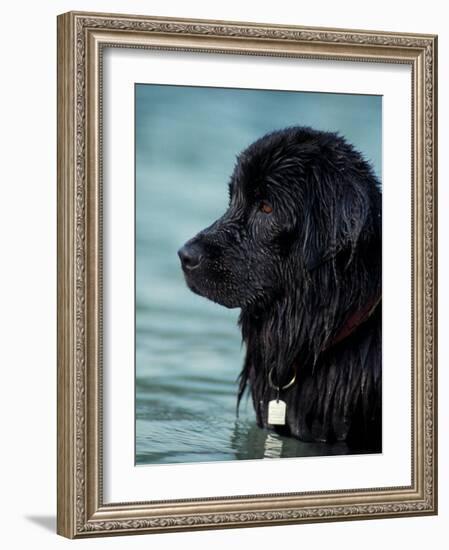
[337, 214]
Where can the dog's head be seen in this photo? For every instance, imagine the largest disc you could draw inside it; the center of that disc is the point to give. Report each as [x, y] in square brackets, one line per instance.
[298, 198]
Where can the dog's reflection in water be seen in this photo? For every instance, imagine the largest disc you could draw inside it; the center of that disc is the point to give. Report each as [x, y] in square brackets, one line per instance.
[273, 446]
[249, 441]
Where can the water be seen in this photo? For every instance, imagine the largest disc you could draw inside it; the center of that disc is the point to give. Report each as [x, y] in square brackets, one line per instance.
[188, 350]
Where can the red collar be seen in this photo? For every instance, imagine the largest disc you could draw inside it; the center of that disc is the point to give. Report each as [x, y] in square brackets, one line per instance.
[355, 320]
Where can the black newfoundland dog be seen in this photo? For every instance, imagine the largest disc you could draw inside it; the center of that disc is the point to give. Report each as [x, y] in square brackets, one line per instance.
[299, 251]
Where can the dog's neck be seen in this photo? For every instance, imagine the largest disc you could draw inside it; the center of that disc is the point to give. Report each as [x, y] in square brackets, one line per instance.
[355, 320]
[271, 342]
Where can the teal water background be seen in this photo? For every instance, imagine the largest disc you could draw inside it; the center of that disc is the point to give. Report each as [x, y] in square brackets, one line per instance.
[188, 350]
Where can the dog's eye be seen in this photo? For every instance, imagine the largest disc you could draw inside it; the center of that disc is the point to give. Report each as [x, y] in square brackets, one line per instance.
[265, 207]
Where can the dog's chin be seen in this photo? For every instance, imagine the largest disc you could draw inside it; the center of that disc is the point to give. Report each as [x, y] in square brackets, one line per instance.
[221, 296]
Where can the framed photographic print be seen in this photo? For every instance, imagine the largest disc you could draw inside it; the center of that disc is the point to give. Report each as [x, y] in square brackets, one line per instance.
[246, 274]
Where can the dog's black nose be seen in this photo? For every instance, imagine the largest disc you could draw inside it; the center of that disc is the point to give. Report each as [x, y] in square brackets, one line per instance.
[190, 256]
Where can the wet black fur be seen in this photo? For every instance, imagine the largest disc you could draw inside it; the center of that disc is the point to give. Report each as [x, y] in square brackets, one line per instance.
[298, 273]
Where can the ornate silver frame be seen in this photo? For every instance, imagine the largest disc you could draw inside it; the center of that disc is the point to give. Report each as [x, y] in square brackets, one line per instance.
[81, 38]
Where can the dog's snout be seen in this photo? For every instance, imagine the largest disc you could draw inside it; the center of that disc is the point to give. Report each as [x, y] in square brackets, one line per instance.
[190, 256]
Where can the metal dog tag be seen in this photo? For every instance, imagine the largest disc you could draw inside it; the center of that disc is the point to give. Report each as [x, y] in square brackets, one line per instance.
[276, 412]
